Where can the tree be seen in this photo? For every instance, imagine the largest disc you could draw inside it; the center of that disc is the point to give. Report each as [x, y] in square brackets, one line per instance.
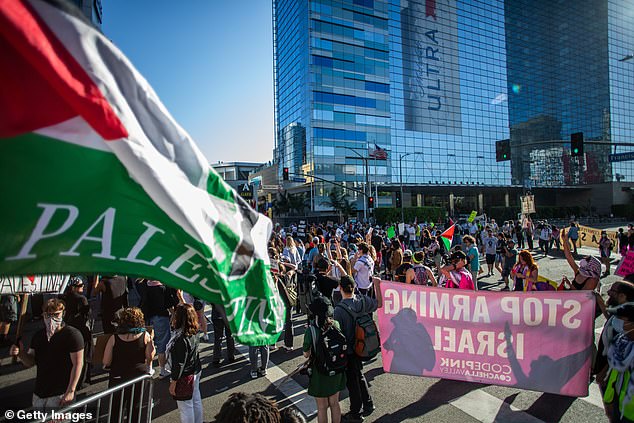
[298, 203]
[281, 203]
[339, 202]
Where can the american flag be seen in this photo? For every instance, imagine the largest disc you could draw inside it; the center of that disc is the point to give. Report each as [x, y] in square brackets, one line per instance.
[378, 153]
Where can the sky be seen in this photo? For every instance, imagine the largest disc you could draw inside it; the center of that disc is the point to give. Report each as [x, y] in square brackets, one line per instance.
[211, 64]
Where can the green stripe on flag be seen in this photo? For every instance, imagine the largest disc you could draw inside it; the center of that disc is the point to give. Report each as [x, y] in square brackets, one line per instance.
[447, 243]
[72, 209]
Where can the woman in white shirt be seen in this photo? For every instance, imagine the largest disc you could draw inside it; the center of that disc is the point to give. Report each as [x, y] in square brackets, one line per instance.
[291, 252]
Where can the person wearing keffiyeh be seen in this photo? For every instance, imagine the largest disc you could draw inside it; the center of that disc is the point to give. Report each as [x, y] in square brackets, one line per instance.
[618, 397]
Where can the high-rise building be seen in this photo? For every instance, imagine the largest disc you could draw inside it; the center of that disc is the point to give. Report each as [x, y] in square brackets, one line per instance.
[91, 9]
[379, 94]
[565, 76]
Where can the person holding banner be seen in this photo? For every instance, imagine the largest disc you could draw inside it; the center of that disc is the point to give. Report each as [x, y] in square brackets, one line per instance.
[587, 272]
[618, 397]
[355, 380]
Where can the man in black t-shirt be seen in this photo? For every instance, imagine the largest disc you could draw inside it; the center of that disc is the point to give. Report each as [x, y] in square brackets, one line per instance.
[58, 352]
[325, 284]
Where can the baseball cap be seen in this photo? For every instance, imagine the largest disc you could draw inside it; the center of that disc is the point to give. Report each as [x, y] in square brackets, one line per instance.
[407, 253]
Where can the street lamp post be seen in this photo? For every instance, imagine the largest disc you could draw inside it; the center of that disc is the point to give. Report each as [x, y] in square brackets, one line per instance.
[365, 187]
[400, 166]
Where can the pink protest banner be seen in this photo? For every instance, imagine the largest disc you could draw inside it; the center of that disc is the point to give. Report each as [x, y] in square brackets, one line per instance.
[626, 267]
[464, 335]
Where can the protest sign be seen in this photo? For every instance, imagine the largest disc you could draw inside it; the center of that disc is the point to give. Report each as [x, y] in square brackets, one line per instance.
[589, 237]
[626, 267]
[33, 284]
[540, 341]
[390, 232]
[472, 216]
[301, 229]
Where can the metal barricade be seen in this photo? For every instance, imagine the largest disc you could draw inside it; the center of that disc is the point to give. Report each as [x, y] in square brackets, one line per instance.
[128, 397]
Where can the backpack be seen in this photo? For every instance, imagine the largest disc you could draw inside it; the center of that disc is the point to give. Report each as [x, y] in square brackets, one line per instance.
[367, 342]
[420, 275]
[331, 350]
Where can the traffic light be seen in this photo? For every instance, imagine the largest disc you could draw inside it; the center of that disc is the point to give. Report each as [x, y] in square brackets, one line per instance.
[370, 202]
[502, 150]
[576, 144]
[285, 174]
[399, 203]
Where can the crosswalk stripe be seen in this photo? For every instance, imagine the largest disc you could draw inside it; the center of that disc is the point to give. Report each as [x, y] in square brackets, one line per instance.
[487, 408]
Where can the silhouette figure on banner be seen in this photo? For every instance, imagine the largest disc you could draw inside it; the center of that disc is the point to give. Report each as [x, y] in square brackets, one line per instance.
[413, 351]
[546, 374]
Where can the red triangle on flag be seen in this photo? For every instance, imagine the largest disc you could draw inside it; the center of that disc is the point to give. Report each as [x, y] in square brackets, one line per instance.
[449, 232]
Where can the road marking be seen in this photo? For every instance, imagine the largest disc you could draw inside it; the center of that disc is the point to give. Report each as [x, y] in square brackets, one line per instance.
[487, 408]
[293, 391]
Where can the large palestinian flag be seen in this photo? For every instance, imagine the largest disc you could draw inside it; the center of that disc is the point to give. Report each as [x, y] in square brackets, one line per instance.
[97, 177]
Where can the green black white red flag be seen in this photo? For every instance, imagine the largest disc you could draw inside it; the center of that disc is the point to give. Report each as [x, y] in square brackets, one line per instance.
[447, 237]
[97, 177]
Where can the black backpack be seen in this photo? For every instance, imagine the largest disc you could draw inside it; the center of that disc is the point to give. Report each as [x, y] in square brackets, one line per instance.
[331, 350]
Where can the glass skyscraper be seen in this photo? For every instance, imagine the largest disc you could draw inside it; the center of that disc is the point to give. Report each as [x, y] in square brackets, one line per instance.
[435, 83]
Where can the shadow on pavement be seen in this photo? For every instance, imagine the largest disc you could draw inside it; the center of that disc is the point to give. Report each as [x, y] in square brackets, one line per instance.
[439, 394]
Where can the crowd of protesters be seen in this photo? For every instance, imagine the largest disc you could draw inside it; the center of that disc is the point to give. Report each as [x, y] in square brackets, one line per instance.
[332, 274]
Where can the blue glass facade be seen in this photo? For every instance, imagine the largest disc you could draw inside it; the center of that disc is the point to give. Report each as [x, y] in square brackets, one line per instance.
[565, 76]
[92, 10]
[437, 83]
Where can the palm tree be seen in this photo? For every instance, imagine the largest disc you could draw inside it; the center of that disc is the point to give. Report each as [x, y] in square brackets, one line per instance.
[298, 203]
[339, 202]
[281, 203]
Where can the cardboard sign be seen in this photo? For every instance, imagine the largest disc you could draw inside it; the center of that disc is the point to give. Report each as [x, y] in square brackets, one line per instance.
[539, 340]
[589, 237]
[528, 204]
[626, 267]
[33, 284]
